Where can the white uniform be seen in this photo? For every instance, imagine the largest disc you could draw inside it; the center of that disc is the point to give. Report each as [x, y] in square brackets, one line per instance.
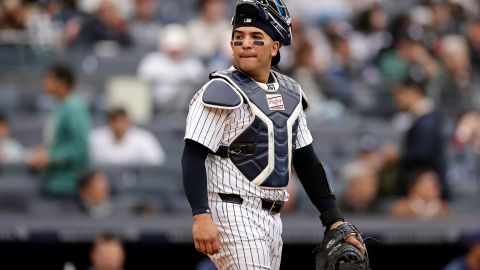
[250, 236]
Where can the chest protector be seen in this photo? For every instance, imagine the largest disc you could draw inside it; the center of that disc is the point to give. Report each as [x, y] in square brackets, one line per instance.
[263, 151]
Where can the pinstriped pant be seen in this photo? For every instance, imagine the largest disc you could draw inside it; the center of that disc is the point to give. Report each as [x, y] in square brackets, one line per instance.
[250, 237]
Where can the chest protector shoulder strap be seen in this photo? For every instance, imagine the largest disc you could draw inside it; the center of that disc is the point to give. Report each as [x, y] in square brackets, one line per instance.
[263, 151]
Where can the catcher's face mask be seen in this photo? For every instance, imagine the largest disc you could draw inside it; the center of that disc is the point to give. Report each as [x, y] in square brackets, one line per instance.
[272, 13]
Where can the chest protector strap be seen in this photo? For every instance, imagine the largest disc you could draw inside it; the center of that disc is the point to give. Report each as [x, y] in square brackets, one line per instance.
[263, 150]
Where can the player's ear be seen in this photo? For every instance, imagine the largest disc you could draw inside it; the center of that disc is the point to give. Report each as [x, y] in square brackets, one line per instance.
[275, 47]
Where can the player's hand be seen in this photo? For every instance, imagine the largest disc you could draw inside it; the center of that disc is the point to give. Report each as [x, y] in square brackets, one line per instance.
[205, 234]
[351, 239]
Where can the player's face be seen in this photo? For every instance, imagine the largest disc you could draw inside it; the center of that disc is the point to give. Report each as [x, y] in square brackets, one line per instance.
[253, 49]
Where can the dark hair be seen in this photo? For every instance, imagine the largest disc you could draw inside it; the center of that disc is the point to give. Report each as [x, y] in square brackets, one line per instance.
[415, 79]
[414, 176]
[106, 237]
[85, 179]
[116, 112]
[63, 72]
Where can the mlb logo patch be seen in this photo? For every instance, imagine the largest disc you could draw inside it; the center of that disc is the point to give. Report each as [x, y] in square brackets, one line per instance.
[275, 102]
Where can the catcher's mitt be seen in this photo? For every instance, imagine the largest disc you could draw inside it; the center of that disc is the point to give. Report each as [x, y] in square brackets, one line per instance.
[336, 254]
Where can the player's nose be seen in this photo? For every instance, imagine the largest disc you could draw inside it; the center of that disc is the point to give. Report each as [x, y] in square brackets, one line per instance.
[247, 43]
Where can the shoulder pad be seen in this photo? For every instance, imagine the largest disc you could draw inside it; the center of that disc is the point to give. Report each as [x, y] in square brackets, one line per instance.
[305, 101]
[221, 95]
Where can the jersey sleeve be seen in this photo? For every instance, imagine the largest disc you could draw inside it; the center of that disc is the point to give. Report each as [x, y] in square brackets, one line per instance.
[205, 125]
[304, 137]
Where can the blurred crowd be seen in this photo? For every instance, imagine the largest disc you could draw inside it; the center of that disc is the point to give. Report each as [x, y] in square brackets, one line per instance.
[414, 65]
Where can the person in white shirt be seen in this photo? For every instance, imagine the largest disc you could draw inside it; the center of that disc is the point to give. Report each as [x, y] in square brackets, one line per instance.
[172, 71]
[121, 143]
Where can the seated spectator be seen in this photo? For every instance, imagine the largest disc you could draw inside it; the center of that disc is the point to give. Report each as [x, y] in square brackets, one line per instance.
[361, 188]
[464, 168]
[473, 35]
[172, 72]
[210, 32]
[467, 132]
[458, 81]
[105, 25]
[121, 143]
[94, 195]
[64, 156]
[388, 173]
[107, 253]
[144, 26]
[470, 260]
[11, 151]
[423, 199]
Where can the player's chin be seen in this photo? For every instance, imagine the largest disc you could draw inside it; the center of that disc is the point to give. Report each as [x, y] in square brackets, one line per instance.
[247, 65]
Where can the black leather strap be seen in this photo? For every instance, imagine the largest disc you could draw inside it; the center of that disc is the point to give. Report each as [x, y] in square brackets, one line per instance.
[274, 207]
[231, 198]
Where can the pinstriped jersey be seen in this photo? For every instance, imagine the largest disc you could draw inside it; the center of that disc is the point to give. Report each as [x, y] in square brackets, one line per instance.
[213, 127]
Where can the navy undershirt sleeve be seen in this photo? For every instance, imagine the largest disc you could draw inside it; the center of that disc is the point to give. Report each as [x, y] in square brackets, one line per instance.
[195, 176]
[314, 180]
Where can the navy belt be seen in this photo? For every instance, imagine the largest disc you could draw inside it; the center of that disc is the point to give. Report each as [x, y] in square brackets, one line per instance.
[273, 207]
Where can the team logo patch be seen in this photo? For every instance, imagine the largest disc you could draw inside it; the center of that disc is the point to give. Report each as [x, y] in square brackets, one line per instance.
[275, 102]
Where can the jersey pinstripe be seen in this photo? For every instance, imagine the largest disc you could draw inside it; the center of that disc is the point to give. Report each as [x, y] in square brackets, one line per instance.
[213, 127]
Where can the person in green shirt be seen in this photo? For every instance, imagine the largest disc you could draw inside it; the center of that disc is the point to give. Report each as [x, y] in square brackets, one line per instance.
[64, 155]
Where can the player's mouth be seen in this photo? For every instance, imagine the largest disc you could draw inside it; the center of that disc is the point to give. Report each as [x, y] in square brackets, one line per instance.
[248, 55]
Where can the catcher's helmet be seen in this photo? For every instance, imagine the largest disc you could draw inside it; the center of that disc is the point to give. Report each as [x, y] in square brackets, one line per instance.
[272, 13]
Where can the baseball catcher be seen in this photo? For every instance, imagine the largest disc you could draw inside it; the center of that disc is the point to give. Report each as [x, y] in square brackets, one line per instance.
[336, 254]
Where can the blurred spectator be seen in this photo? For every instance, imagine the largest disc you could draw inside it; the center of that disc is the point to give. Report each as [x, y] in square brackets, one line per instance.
[56, 26]
[471, 259]
[121, 143]
[14, 14]
[467, 131]
[458, 83]
[65, 152]
[313, 81]
[473, 35]
[172, 72]
[106, 24]
[123, 7]
[349, 80]
[107, 253]
[210, 32]
[344, 68]
[423, 144]
[464, 167]
[145, 28]
[408, 50]
[423, 199]
[94, 195]
[43, 32]
[361, 188]
[11, 151]
[307, 72]
[443, 21]
[372, 35]
[388, 174]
